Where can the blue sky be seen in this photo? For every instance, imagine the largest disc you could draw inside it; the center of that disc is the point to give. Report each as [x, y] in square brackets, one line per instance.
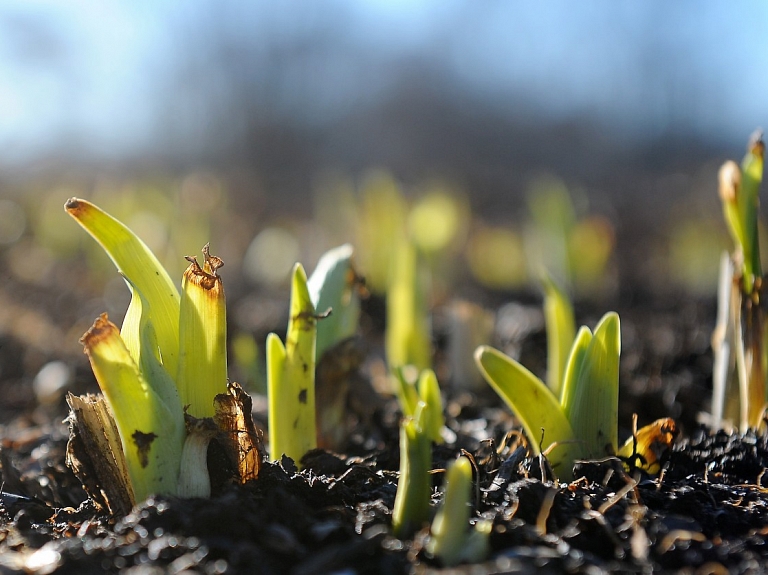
[112, 78]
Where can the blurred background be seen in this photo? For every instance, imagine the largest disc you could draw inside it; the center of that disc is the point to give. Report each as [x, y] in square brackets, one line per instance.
[506, 136]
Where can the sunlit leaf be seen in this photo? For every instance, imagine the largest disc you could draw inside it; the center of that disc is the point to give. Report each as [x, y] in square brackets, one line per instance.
[534, 405]
[593, 407]
[558, 315]
[291, 377]
[151, 439]
[137, 263]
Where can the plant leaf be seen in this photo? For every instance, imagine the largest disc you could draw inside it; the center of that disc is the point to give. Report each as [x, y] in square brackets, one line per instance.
[411, 507]
[534, 405]
[291, 377]
[144, 349]
[406, 392]
[151, 441]
[593, 406]
[450, 528]
[558, 315]
[135, 261]
[749, 203]
[429, 392]
[574, 365]
[407, 337]
[331, 286]
[202, 373]
[281, 400]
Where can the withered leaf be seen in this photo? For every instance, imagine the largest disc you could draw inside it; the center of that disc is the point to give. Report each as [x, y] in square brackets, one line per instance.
[237, 432]
[95, 454]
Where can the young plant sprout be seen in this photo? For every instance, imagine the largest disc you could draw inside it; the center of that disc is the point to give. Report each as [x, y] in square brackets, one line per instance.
[146, 409]
[135, 261]
[291, 377]
[451, 539]
[561, 330]
[426, 391]
[332, 287]
[583, 421]
[413, 485]
[408, 339]
[202, 370]
[741, 324]
[145, 379]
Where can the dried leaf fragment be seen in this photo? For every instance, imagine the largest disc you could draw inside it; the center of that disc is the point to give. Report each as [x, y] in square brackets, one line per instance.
[95, 454]
[237, 432]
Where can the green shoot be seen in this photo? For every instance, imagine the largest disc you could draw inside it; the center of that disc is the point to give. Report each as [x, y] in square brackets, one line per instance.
[413, 485]
[135, 261]
[739, 339]
[574, 246]
[584, 422]
[406, 392]
[427, 391]
[534, 404]
[332, 287]
[561, 329]
[169, 354]
[739, 192]
[291, 377]
[152, 432]
[203, 332]
[381, 219]
[451, 541]
[591, 400]
[408, 339]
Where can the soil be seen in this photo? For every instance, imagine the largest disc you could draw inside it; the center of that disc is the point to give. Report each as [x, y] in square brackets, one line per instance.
[707, 512]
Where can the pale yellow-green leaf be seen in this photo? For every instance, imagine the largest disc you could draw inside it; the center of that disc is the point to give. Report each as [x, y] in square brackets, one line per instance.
[137, 263]
[405, 391]
[411, 507]
[202, 370]
[332, 287]
[291, 378]
[407, 338]
[593, 407]
[534, 405]
[151, 440]
[749, 204]
[146, 353]
[429, 392]
[450, 528]
[561, 328]
[573, 365]
[281, 400]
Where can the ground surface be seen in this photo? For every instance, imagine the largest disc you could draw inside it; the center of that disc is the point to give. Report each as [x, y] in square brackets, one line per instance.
[707, 513]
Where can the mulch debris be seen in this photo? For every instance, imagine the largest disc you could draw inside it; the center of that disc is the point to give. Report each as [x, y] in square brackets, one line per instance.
[706, 512]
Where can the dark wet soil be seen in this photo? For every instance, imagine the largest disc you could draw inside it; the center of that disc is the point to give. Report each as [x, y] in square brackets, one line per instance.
[707, 512]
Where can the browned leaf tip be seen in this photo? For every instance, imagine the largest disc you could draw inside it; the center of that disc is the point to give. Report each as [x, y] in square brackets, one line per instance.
[205, 276]
[101, 329]
[73, 205]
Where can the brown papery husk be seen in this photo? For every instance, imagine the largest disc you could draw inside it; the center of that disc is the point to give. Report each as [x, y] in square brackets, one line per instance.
[95, 455]
[237, 432]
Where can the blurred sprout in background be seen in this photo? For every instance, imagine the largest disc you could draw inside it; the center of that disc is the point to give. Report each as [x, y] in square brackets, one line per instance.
[563, 238]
